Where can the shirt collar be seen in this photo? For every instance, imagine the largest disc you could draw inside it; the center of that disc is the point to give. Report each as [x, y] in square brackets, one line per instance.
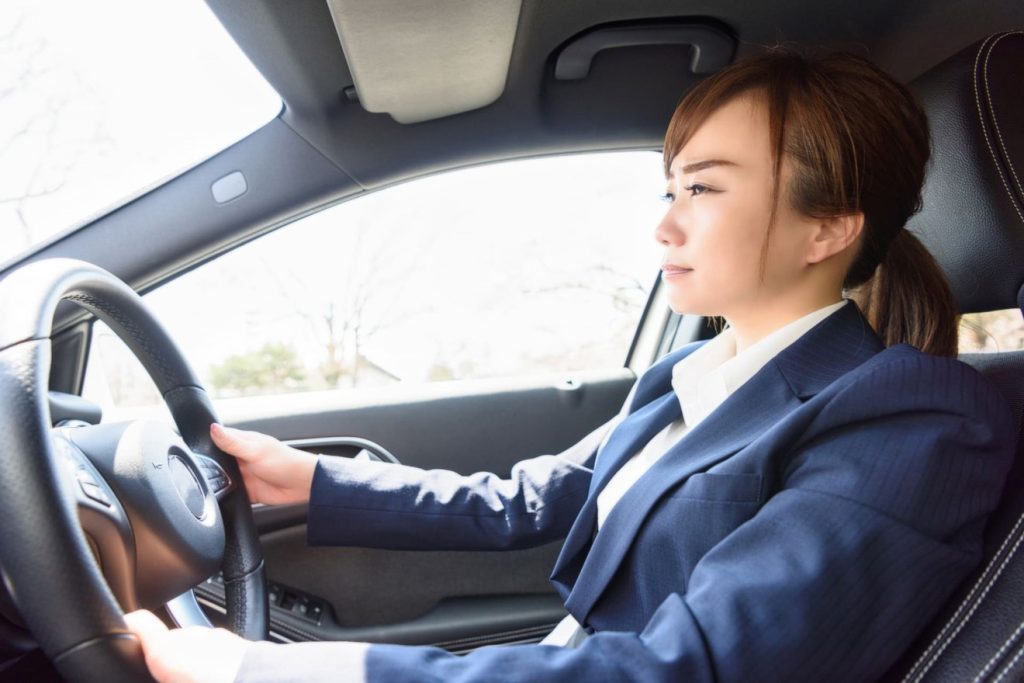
[706, 377]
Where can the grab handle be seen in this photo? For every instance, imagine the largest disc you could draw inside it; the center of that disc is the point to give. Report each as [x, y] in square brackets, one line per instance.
[712, 48]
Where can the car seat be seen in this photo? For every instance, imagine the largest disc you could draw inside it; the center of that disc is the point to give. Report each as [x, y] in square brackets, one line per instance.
[972, 220]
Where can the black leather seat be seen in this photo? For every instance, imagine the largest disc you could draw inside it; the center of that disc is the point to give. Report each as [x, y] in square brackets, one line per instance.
[973, 221]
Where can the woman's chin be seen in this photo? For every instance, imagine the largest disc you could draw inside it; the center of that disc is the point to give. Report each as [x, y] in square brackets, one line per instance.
[689, 308]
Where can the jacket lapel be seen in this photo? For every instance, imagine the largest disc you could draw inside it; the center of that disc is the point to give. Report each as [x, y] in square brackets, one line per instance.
[635, 431]
[745, 414]
[654, 406]
[587, 563]
[651, 409]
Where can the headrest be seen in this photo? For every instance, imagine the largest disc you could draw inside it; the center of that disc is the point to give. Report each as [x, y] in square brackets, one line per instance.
[972, 218]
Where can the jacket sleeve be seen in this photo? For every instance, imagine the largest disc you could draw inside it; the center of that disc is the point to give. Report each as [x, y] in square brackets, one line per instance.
[878, 520]
[383, 505]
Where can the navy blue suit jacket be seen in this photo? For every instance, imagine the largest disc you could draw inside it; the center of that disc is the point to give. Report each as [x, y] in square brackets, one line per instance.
[806, 530]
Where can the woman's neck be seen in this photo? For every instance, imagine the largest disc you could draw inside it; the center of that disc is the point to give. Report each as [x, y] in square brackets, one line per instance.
[759, 322]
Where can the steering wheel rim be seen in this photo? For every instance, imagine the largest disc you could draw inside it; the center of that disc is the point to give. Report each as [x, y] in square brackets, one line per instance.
[45, 557]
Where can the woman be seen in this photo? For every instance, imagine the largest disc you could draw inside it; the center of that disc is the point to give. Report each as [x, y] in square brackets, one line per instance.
[792, 500]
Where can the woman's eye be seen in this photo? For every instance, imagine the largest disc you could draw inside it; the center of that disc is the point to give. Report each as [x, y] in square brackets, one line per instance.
[696, 189]
[667, 197]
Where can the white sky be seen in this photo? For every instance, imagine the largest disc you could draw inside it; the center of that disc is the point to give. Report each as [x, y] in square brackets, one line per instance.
[107, 97]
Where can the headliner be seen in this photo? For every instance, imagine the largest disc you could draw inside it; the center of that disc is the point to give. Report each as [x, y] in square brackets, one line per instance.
[295, 46]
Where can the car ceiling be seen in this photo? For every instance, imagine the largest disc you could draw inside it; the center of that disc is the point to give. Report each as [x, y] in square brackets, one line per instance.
[324, 147]
[296, 47]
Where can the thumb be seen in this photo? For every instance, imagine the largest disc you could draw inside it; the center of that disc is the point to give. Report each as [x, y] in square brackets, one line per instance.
[146, 625]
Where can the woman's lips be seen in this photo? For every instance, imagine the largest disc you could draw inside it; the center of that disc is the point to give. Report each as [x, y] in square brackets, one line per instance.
[669, 271]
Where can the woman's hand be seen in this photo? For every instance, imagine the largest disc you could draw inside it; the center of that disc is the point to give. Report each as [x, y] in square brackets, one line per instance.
[187, 655]
[273, 473]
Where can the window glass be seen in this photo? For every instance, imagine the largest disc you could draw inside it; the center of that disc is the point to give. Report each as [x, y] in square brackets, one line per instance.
[101, 99]
[992, 331]
[515, 269]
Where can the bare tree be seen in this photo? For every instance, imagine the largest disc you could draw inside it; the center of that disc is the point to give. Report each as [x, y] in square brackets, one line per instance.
[625, 291]
[48, 168]
[345, 319]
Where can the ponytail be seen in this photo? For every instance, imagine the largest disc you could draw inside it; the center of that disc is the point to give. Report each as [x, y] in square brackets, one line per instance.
[907, 299]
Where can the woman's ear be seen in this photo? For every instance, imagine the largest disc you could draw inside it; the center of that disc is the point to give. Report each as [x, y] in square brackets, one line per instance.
[833, 235]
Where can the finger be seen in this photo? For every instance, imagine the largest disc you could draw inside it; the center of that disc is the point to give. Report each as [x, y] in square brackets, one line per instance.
[146, 625]
[233, 441]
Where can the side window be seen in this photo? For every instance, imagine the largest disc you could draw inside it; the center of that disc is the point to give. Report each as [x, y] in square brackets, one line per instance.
[514, 269]
[992, 331]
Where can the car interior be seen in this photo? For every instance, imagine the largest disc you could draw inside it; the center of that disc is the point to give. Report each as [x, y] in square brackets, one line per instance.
[376, 95]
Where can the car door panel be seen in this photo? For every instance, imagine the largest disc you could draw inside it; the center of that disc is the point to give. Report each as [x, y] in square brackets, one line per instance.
[410, 597]
[470, 428]
[457, 599]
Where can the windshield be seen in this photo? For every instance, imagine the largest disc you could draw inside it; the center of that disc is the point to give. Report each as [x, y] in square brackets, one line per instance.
[103, 99]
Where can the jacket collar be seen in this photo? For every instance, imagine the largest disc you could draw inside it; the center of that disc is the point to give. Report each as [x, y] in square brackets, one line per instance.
[846, 333]
[836, 345]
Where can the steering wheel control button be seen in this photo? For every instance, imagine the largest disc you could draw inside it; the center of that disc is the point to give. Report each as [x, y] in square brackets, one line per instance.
[216, 477]
[187, 486]
[96, 493]
[91, 489]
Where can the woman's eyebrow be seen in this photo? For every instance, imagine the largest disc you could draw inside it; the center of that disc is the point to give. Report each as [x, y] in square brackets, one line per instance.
[701, 165]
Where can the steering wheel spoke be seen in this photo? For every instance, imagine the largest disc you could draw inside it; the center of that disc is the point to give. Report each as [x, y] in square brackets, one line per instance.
[184, 610]
[102, 517]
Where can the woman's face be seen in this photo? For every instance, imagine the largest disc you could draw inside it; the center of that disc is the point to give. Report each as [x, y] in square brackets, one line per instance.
[719, 191]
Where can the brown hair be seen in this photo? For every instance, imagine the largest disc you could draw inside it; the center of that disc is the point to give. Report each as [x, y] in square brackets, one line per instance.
[859, 142]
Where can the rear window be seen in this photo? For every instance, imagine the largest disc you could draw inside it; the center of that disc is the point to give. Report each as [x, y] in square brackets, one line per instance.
[992, 331]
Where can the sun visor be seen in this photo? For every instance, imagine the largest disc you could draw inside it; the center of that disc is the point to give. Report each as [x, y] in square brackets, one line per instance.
[420, 60]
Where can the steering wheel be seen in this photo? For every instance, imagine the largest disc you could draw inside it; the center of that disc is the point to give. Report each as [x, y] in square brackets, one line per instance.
[104, 519]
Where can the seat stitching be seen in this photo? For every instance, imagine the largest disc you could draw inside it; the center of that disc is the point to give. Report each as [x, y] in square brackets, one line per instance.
[1010, 665]
[981, 119]
[1000, 652]
[971, 601]
[995, 121]
[984, 583]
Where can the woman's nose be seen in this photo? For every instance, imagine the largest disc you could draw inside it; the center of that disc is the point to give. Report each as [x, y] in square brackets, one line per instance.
[669, 232]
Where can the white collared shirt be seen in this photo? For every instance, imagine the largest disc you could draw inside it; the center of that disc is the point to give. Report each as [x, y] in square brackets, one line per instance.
[701, 381]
